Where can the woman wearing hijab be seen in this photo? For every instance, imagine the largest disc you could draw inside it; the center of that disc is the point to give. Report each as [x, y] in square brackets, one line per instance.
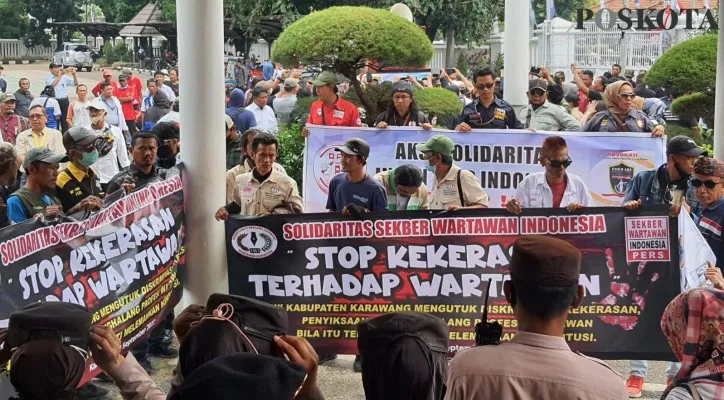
[693, 323]
[402, 111]
[621, 115]
[161, 106]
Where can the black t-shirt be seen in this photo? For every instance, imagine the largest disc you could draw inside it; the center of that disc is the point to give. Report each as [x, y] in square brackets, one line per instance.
[594, 95]
[395, 119]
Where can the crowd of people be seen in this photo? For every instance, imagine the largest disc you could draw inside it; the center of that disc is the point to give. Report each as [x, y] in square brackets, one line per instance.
[125, 137]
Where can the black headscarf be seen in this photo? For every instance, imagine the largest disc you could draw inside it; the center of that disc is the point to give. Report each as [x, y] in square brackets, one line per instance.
[160, 107]
[46, 370]
[207, 341]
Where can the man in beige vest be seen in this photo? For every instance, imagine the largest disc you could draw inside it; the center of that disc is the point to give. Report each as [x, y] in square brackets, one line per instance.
[246, 164]
[537, 363]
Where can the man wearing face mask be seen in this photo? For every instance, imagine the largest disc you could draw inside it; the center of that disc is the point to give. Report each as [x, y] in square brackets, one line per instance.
[168, 144]
[452, 187]
[115, 155]
[404, 187]
[78, 187]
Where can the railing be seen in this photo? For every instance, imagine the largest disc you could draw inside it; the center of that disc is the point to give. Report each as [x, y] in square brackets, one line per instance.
[14, 48]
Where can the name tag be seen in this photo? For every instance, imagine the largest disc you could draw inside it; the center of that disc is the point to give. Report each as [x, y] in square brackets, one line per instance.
[338, 114]
[499, 113]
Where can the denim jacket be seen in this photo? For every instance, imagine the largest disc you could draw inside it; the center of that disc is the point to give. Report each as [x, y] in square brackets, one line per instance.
[645, 186]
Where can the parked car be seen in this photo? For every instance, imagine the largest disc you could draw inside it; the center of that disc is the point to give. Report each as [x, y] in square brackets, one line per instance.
[74, 55]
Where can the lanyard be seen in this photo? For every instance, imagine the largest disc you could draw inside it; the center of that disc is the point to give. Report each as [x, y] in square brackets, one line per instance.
[42, 142]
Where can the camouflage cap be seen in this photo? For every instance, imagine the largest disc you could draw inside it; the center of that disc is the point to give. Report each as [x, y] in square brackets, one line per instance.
[709, 167]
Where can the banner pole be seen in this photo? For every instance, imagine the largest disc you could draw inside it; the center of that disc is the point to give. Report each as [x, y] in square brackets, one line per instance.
[201, 48]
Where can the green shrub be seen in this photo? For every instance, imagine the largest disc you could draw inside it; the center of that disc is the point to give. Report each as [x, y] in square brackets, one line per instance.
[109, 53]
[694, 106]
[438, 102]
[291, 152]
[688, 66]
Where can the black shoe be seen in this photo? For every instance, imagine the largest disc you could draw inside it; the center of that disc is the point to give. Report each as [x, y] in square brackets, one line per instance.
[327, 358]
[357, 367]
[163, 352]
[92, 391]
[145, 363]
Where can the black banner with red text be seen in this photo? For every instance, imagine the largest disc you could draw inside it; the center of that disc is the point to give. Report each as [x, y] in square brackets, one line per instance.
[329, 272]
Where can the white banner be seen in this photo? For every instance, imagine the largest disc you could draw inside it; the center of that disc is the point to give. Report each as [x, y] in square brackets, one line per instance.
[694, 253]
[500, 159]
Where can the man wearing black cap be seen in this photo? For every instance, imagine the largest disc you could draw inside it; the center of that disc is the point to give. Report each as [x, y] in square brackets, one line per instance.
[402, 111]
[544, 116]
[355, 190]
[169, 144]
[542, 289]
[41, 166]
[78, 187]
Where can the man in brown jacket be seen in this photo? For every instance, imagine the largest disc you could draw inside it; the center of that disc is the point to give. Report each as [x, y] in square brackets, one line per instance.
[537, 363]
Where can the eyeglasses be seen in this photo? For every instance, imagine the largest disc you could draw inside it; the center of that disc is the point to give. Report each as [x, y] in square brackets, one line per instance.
[627, 96]
[537, 92]
[558, 164]
[400, 98]
[35, 116]
[707, 184]
[484, 86]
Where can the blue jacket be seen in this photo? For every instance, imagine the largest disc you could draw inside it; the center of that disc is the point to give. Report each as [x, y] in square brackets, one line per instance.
[268, 69]
[646, 187]
[243, 119]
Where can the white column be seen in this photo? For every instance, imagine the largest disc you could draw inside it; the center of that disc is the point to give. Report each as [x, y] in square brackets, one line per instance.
[719, 99]
[200, 26]
[516, 52]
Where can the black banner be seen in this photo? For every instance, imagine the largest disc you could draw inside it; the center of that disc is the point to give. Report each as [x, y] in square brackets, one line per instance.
[330, 272]
[121, 262]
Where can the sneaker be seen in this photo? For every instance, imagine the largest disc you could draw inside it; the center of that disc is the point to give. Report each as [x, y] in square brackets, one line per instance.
[327, 358]
[92, 391]
[163, 352]
[669, 381]
[634, 386]
[357, 367]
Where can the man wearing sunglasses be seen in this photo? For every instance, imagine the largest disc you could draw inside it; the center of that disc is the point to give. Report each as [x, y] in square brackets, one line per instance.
[78, 187]
[555, 187]
[708, 185]
[487, 111]
[544, 116]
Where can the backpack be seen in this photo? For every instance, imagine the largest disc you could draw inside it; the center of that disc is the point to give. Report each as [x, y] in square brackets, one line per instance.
[69, 323]
[50, 113]
[404, 355]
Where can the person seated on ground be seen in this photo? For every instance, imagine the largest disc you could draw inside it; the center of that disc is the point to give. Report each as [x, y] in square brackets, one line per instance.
[404, 356]
[42, 367]
[543, 288]
[693, 323]
[404, 188]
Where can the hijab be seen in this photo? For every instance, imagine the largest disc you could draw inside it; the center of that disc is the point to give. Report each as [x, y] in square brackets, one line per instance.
[693, 324]
[610, 96]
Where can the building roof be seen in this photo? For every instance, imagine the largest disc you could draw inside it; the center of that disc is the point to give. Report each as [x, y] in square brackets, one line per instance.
[146, 22]
[616, 5]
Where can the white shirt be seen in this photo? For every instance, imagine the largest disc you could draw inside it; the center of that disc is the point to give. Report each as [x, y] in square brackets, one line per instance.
[534, 192]
[52, 103]
[266, 120]
[172, 116]
[107, 166]
[168, 92]
[81, 116]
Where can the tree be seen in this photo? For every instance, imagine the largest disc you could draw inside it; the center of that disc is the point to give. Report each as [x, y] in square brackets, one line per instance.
[345, 39]
[121, 10]
[169, 10]
[15, 22]
[44, 11]
[689, 68]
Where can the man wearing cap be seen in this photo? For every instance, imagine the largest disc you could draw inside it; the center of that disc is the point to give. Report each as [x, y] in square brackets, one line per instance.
[402, 111]
[568, 87]
[160, 77]
[629, 75]
[266, 120]
[41, 167]
[555, 187]
[286, 100]
[39, 135]
[127, 95]
[114, 109]
[169, 145]
[452, 187]
[487, 111]
[115, 156]
[355, 189]
[10, 123]
[543, 116]
[78, 187]
[331, 109]
[542, 289]
[61, 83]
[23, 97]
[134, 82]
[107, 78]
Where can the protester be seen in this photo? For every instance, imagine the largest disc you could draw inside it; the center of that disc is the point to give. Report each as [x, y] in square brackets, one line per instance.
[108, 79]
[245, 163]
[588, 88]
[641, 89]
[126, 94]
[173, 81]
[654, 108]
[39, 135]
[692, 324]
[263, 114]
[263, 191]
[544, 116]
[23, 98]
[160, 107]
[708, 186]
[405, 189]
[554, 188]
[268, 69]
[8, 176]
[50, 106]
[60, 83]
[487, 112]
[615, 70]
[243, 118]
[115, 155]
[77, 186]
[143, 166]
[330, 109]
[10, 123]
[173, 116]
[543, 288]
[286, 100]
[402, 110]
[233, 144]
[3, 82]
[452, 187]
[621, 115]
[572, 100]
[114, 109]
[160, 77]
[169, 145]
[78, 110]
[41, 166]
[404, 356]
[355, 191]
[135, 83]
[568, 87]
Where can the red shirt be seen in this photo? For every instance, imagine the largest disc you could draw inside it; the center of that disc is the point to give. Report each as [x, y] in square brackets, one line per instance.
[97, 88]
[138, 85]
[128, 112]
[558, 189]
[343, 113]
[583, 101]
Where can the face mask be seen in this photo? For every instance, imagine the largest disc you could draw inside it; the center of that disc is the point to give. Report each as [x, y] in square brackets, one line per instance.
[124, 87]
[165, 152]
[95, 120]
[431, 168]
[89, 158]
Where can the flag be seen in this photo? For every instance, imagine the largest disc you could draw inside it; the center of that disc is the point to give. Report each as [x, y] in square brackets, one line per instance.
[637, 4]
[532, 15]
[551, 9]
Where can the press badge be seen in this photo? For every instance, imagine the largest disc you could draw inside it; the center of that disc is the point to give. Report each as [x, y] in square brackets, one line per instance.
[640, 123]
[338, 114]
[499, 113]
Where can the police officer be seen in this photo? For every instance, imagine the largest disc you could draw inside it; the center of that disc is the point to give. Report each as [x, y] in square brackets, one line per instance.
[77, 186]
[621, 115]
[264, 190]
[452, 187]
[487, 111]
